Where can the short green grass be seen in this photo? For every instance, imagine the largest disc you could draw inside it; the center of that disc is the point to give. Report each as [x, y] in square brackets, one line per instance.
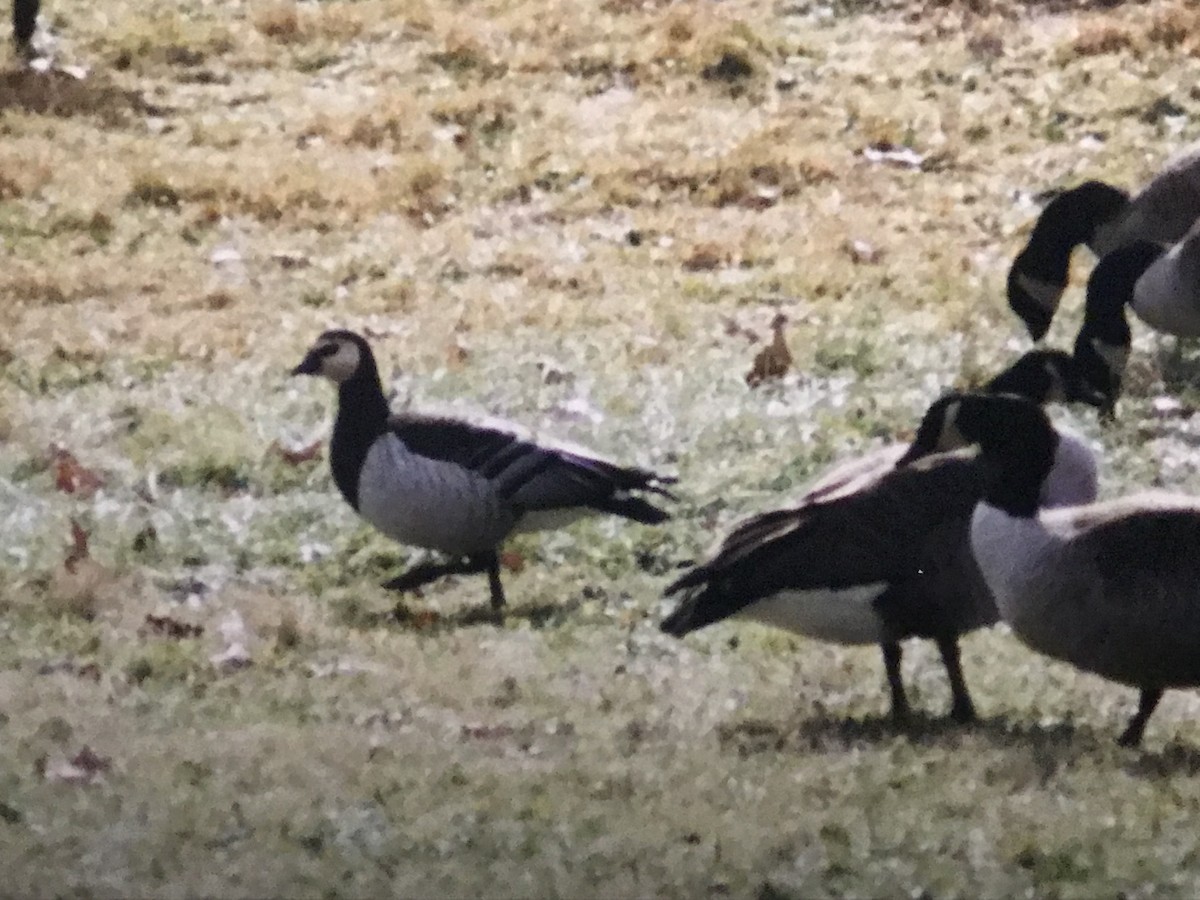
[572, 214]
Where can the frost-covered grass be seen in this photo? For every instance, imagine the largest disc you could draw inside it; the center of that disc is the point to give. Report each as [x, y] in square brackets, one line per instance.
[545, 211]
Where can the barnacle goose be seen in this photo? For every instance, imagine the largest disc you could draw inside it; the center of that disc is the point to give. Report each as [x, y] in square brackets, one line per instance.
[1111, 587]
[454, 486]
[872, 553]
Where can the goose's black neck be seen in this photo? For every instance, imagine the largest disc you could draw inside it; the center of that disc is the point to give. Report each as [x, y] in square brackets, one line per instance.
[1070, 219]
[1110, 288]
[1019, 446]
[1035, 375]
[361, 418]
[1015, 474]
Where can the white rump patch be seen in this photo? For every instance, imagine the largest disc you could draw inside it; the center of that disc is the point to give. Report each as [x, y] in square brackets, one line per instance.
[844, 616]
[1044, 293]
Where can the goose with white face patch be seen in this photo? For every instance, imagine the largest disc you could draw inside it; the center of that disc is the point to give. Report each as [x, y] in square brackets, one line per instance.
[1112, 588]
[872, 553]
[1105, 218]
[454, 486]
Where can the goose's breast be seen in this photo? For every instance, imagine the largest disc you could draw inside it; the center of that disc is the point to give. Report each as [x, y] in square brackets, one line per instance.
[1167, 299]
[428, 503]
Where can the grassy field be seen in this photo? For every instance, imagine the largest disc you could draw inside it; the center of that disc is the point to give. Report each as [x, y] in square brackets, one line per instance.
[581, 215]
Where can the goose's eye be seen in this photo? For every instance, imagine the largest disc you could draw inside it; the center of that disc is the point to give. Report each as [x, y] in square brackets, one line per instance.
[327, 350]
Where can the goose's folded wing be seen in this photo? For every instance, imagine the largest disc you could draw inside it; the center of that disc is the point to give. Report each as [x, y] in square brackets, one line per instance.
[531, 475]
[885, 533]
[1139, 571]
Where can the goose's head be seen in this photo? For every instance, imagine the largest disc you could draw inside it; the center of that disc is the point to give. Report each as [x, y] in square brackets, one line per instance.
[938, 432]
[1102, 345]
[1039, 274]
[1047, 376]
[337, 355]
[967, 419]
[1028, 463]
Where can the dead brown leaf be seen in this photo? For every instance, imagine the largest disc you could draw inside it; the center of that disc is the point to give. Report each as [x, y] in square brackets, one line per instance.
[705, 258]
[298, 456]
[512, 560]
[70, 476]
[79, 547]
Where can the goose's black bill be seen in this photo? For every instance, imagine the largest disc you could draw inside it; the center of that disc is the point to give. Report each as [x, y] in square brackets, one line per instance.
[310, 365]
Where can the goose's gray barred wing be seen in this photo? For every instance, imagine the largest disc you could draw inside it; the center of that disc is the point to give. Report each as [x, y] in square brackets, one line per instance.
[531, 475]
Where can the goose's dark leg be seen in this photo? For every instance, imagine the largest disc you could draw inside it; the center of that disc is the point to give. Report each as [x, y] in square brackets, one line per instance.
[421, 575]
[427, 572]
[891, 664]
[493, 572]
[1132, 736]
[471, 565]
[24, 19]
[961, 709]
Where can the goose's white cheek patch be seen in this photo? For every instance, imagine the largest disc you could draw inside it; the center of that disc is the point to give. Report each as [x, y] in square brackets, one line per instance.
[844, 616]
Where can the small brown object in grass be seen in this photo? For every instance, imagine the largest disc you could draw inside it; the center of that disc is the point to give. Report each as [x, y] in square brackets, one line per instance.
[774, 360]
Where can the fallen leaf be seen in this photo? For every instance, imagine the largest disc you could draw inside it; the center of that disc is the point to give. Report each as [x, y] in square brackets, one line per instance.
[70, 476]
[79, 547]
[424, 618]
[166, 626]
[704, 258]
[457, 353]
[512, 560]
[298, 456]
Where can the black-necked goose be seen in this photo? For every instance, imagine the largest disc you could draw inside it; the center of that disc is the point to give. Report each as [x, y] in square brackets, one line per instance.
[24, 18]
[871, 554]
[453, 486]
[1105, 218]
[1113, 587]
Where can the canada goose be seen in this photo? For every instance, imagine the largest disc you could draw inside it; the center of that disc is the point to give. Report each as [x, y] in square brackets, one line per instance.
[1161, 286]
[454, 486]
[871, 554]
[24, 19]
[1112, 587]
[1105, 218]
